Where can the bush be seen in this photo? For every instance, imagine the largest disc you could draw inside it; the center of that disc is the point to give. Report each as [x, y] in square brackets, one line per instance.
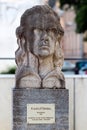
[10, 70]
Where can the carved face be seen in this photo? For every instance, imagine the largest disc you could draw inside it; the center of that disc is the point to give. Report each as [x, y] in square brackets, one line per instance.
[44, 42]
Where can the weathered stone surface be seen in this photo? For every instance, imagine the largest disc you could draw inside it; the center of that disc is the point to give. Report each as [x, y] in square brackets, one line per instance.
[22, 97]
[39, 56]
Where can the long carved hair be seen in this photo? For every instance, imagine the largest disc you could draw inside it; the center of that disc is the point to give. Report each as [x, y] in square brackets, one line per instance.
[38, 17]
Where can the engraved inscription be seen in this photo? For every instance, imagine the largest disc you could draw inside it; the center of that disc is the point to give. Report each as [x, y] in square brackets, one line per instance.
[40, 113]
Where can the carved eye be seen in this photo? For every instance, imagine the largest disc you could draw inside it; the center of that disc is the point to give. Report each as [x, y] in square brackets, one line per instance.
[37, 30]
[40, 30]
[47, 30]
[54, 30]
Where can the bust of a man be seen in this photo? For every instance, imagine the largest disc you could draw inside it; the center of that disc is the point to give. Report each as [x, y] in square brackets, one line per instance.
[39, 56]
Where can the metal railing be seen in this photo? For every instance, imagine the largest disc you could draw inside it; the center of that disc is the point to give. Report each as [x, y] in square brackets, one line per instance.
[8, 58]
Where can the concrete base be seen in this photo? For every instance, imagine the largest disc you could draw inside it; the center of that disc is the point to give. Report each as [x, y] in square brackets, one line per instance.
[22, 97]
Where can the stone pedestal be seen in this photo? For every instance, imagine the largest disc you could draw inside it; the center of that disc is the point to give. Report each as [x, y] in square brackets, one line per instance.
[22, 97]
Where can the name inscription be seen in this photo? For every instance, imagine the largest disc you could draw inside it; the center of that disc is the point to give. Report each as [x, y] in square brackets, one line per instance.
[40, 113]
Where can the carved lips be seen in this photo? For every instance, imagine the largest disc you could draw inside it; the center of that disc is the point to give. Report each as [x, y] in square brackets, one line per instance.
[44, 44]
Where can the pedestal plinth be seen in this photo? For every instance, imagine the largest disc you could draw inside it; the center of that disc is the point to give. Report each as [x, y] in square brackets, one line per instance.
[40, 109]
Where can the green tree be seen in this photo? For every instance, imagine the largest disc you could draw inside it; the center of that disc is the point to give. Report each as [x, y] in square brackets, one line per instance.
[81, 13]
[81, 18]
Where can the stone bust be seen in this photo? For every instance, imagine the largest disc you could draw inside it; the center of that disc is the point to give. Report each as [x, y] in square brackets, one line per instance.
[39, 56]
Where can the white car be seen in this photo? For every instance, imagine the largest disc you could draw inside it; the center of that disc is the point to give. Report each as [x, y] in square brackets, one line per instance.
[68, 66]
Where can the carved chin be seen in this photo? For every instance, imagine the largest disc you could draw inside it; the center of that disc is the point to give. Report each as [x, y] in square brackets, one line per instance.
[44, 53]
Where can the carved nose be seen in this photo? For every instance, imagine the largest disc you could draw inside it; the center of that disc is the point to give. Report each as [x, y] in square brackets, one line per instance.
[44, 36]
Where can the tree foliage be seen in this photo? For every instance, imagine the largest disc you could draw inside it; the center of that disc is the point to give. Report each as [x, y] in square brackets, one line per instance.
[10, 70]
[81, 19]
[81, 13]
